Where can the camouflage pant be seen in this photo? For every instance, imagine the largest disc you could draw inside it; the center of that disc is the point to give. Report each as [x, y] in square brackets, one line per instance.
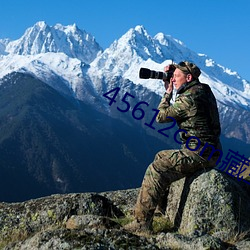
[167, 167]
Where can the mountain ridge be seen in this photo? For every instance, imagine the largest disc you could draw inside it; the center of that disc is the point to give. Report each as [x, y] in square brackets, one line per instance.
[136, 48]
[124, 57]
[55, 144]
[42, 38]
[83, 120]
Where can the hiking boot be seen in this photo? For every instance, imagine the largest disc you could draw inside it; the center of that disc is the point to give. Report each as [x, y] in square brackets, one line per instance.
[140, 227]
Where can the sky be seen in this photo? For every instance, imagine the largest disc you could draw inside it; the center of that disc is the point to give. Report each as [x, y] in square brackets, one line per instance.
[217, 28]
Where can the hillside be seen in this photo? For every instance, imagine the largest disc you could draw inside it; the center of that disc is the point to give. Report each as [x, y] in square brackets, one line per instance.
[51, 143]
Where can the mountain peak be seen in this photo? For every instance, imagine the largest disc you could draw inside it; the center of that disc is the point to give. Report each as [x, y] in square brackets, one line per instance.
[42, 38]
[41, 24]
[138, 31]
[166, 40]
[69, 28]
[141, 29]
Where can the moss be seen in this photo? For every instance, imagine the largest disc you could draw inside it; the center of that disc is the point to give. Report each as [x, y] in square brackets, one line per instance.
[162, 224]
[34, 217]
[123, 220]
[51, 214]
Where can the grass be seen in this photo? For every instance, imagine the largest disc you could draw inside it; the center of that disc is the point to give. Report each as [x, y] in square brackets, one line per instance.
[123, 220]
[21, 234]
[15, 236]
[160, 223]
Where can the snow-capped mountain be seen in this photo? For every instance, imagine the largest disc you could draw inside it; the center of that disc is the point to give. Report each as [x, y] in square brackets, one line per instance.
[71, 61]
[50, 137]
[74, 55]
[137, 49]
[64, 73]
[41, 38]
[50, 54]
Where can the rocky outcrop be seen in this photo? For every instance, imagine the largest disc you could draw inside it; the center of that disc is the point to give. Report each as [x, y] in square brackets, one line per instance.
[206, 211]
[211, 202]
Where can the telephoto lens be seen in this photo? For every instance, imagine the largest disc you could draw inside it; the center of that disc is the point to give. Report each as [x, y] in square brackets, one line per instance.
[145, 73]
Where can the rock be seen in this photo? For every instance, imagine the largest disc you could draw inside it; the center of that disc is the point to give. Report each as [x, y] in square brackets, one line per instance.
[209, 203]
[20, 220]
[85, 239]
[90, 221]
[124, 199]
[178, 241]
[208, 210]
[243, 245]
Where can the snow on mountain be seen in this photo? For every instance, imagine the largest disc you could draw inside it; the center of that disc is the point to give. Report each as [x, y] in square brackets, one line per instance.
[125, 55]
[137, 49]
[68, 53]
[71, 61]
[63, 73]
[57, 55]
[42, 38]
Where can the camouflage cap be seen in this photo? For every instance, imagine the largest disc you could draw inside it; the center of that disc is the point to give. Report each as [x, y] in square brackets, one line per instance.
[189, 68]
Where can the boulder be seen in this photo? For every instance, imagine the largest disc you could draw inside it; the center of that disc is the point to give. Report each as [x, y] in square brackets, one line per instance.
[211, 203]
[178, 241]
[21, 220]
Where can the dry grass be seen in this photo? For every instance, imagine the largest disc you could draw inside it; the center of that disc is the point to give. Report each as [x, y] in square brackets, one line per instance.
[238, 237]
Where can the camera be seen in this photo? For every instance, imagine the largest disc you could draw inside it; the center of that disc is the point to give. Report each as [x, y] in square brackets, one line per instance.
[145, 73]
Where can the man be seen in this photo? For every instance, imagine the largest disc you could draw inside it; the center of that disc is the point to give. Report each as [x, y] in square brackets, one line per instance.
[195, 111]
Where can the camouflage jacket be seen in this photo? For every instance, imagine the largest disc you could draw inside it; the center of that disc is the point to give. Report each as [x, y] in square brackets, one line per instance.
[195, 111]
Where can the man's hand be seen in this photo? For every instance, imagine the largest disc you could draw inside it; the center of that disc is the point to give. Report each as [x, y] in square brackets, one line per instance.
[168, 85]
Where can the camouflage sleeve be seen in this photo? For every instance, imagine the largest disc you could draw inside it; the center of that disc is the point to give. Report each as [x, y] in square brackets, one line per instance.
[182, 108]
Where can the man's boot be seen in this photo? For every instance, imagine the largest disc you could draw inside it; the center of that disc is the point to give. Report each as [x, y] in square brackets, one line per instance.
[139, 226]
